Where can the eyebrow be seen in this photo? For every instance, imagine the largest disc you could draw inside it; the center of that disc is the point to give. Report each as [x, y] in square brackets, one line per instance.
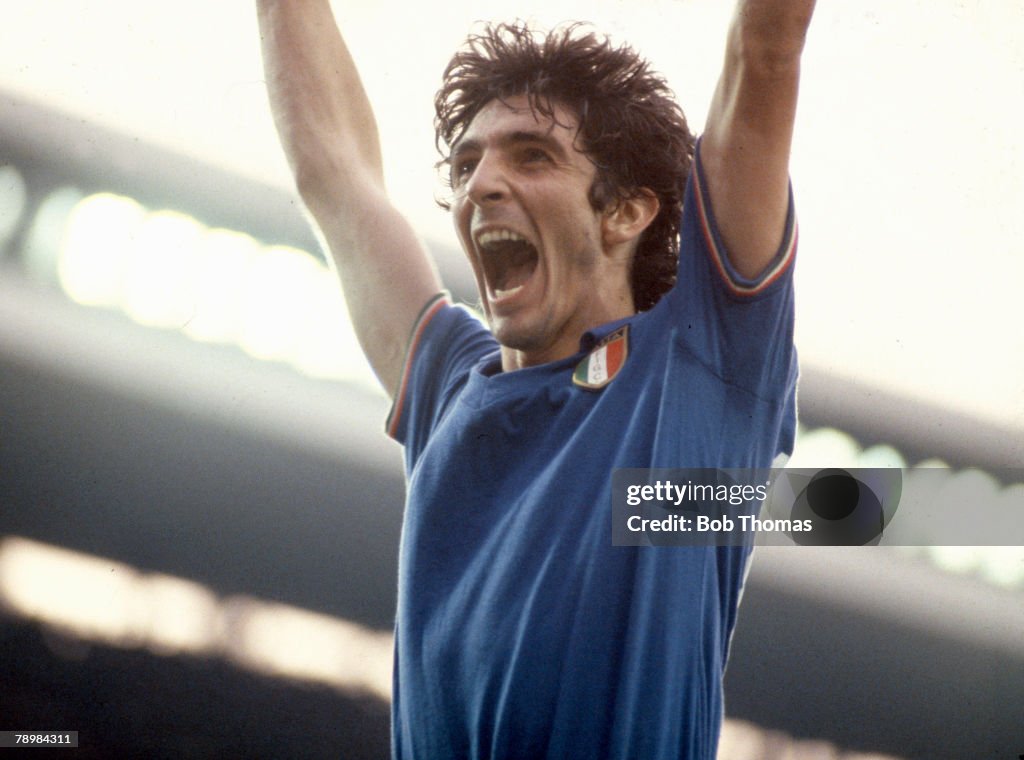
[516, 137]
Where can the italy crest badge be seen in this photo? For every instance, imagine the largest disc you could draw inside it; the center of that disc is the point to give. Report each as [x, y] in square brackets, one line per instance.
[600, 366]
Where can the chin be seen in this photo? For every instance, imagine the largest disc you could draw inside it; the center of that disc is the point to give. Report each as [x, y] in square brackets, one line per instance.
[516, 336]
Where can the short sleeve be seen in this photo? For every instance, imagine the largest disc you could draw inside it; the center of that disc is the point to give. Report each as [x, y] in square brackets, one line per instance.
[446, 343]
[740, 329]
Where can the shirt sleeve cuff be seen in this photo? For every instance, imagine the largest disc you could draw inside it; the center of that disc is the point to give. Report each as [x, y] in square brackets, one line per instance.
[737, 284]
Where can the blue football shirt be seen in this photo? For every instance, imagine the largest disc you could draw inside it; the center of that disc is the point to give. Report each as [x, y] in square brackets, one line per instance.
[521, 631]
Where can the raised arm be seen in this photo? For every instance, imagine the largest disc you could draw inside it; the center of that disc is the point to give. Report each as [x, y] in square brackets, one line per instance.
[329, 135]
[746, 142]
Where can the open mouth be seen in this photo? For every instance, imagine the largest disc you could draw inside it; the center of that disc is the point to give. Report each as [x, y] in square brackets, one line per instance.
[509, 260]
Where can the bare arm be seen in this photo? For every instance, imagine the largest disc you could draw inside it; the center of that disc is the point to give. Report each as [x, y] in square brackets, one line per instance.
[746, 143]
[329, 135]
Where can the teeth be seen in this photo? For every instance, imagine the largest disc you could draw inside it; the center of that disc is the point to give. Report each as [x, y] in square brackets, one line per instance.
[496, 236]
[499, 294]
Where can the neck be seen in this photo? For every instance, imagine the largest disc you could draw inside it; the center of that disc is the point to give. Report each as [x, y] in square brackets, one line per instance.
[567, 342]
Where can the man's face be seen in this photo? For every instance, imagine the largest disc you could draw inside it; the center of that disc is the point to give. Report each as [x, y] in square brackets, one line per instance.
[523, 214]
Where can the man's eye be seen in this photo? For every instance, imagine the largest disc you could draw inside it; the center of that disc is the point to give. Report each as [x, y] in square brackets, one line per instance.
[535, 154]
[462, 169]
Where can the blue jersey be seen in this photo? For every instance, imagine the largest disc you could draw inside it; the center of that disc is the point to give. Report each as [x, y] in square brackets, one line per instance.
[521, 630]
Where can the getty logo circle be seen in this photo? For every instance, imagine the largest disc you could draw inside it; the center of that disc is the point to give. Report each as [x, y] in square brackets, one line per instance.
[844, 507]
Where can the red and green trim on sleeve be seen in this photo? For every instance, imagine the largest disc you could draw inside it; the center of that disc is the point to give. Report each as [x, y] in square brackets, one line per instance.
[736, 283]
[432, 307]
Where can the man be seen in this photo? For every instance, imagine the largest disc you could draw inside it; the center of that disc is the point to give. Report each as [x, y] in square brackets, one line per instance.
[521, 631]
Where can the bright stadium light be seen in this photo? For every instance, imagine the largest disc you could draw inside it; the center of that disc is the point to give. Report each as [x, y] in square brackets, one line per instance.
[97, 247]
[328, 347]
[225, 258]
[277, 305]
[174, 615]
[166, 269]
[88, 596]
[160, 271]
[281, 640]
[99, 600]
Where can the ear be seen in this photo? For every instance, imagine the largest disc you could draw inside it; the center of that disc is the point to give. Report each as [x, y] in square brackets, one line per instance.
[626, 220]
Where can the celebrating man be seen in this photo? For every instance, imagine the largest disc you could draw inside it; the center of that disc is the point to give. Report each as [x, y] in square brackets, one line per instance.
[637, 285]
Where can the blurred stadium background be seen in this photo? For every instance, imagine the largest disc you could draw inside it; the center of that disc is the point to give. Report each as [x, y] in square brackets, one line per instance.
[199, 512]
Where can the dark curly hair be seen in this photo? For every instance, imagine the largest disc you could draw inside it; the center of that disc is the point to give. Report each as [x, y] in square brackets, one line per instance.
[631, 126]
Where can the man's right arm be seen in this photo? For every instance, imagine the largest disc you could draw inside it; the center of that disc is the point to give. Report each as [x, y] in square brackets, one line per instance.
[329, 135]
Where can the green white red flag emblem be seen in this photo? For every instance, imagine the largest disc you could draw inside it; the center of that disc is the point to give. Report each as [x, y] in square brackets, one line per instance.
[601, 365]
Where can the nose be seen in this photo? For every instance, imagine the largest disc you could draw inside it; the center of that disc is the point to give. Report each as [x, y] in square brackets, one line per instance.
[487, 184]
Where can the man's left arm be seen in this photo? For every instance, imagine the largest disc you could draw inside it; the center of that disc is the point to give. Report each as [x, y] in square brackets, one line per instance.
[746, 143]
